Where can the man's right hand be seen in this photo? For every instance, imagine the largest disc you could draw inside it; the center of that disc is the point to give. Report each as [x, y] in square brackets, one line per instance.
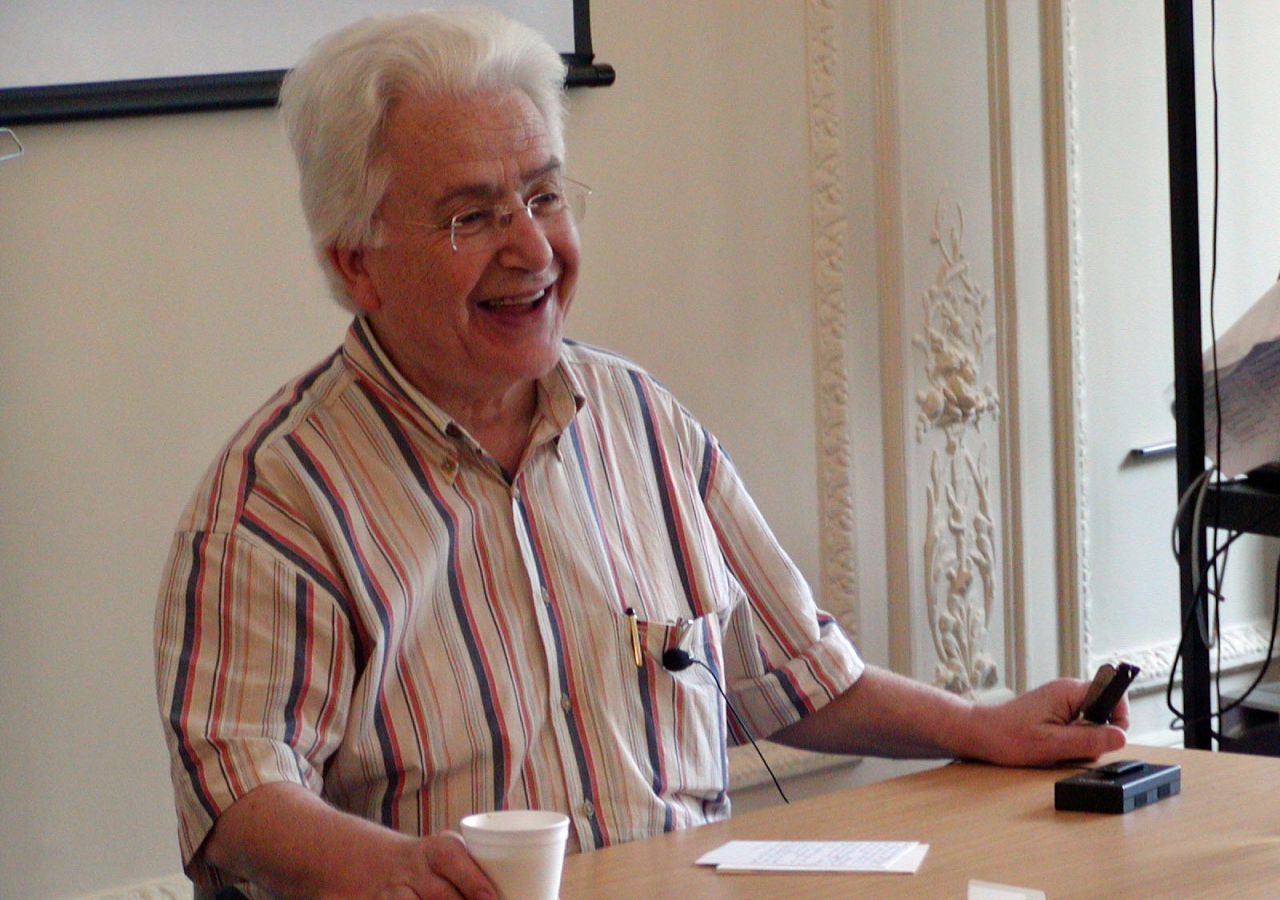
[294, 844]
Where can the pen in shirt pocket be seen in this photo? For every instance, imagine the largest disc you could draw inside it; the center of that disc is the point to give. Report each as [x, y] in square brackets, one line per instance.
[634, 627]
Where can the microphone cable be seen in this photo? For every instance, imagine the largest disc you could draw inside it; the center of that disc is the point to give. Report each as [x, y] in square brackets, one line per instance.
[677, 660]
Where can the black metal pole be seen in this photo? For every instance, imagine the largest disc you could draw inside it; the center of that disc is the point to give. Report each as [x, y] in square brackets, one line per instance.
[1184, 217]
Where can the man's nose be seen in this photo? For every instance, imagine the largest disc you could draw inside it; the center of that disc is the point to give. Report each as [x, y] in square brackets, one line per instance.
[524, 242]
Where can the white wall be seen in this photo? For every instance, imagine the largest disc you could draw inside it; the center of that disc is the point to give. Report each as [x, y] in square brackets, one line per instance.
[155, 286]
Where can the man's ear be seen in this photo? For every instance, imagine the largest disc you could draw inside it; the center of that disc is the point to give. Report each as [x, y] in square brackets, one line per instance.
[350, 266]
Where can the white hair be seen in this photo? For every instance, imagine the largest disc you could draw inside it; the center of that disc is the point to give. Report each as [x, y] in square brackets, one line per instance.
[335, 103]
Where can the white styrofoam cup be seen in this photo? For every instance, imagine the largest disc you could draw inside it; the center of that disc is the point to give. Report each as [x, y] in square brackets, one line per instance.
[521, 850]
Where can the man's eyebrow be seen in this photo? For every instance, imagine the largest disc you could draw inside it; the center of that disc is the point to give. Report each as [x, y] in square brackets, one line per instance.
[552, 165]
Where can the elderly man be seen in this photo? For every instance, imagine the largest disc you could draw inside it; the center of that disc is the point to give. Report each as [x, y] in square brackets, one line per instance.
[439, 572]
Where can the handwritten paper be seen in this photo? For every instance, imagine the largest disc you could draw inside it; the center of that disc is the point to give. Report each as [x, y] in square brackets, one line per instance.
[902, 857]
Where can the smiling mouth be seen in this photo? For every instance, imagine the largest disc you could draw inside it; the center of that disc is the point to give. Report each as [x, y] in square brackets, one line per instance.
[525, 301]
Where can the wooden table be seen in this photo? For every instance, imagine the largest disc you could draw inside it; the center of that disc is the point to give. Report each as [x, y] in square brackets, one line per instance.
[1219, 838]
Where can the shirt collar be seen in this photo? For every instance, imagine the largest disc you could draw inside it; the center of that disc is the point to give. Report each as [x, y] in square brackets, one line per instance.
[559, 395]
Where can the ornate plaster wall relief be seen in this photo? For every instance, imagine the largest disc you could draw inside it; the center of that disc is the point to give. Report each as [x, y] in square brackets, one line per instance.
[839, 589]
[960, 553]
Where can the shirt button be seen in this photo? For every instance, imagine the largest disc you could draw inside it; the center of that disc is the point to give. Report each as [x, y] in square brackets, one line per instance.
[450, 466]
[565, 703]
[587, 808]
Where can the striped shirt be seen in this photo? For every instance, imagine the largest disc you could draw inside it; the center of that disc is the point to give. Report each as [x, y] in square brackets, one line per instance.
[358, 599]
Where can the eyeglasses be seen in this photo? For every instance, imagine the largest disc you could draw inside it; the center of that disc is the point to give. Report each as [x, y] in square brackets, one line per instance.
[549, 205]
[10, 146]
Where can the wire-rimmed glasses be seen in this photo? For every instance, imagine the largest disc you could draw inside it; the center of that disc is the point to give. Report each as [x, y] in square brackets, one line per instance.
[549, 204]
[10, 146]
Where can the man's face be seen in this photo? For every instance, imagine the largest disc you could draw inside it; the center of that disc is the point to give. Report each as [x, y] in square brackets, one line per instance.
[470, 326]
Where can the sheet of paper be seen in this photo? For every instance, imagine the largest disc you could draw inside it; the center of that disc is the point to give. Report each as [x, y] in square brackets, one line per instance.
[816, 856]
[1246, 388]
[985, 890]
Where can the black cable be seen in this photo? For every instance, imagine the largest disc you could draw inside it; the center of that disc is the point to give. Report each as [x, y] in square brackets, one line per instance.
[1183, 720]
[1204, 592]
[1213, 325]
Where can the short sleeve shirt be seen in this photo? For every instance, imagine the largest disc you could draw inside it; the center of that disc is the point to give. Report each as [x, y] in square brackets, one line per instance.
[359, 600]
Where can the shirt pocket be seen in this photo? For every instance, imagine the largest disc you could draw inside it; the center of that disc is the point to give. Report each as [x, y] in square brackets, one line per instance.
[681, 690]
